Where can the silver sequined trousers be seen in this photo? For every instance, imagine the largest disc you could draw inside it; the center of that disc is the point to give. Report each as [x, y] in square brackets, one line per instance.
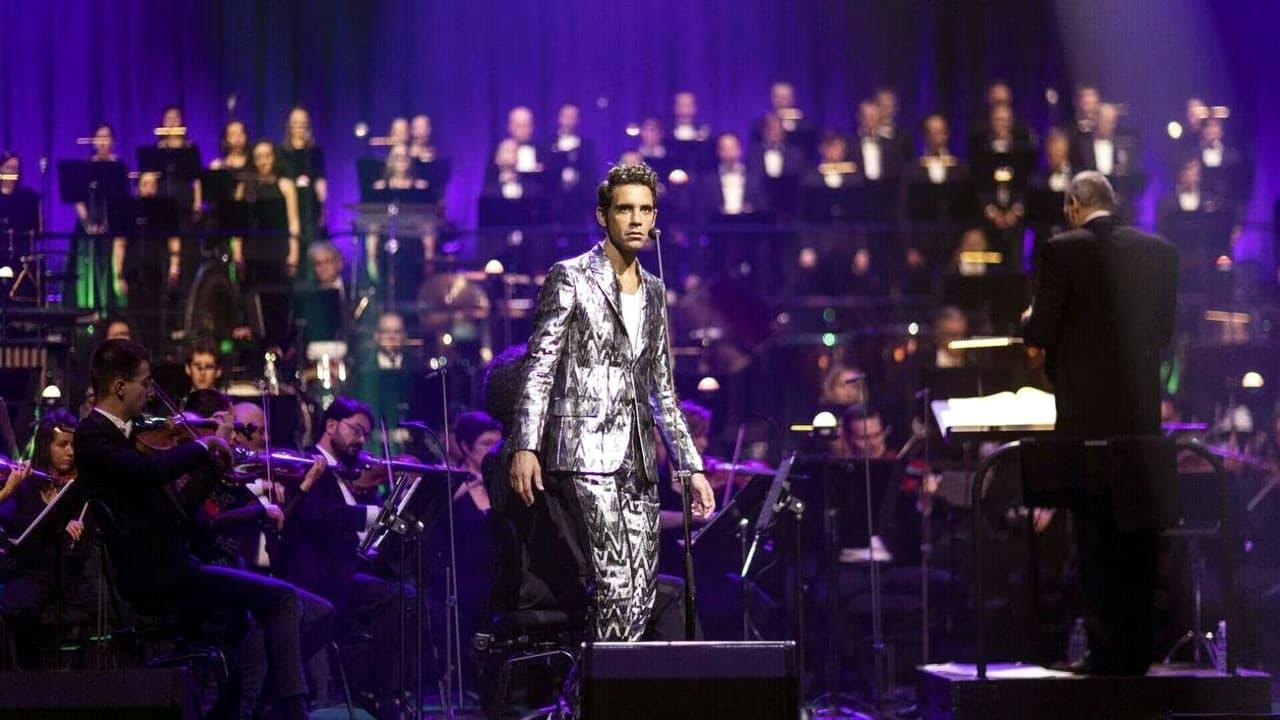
[620, 518]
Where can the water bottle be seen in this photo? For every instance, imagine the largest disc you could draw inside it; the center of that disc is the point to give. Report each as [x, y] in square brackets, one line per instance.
[1220, 647]
[1077, 642]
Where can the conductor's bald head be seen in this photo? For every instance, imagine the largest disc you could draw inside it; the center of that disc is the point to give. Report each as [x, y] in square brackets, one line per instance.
[1088, 193]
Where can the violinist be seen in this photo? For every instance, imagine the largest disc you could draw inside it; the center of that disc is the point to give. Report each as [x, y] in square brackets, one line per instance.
[236, 523]
[51, 565]
[322, 538]
[144, 528]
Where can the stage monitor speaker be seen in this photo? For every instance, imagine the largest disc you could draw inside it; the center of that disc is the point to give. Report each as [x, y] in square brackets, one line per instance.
[162, 694]
[704, 680]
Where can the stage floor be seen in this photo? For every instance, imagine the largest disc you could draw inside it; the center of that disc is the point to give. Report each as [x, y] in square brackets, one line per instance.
[951, 691]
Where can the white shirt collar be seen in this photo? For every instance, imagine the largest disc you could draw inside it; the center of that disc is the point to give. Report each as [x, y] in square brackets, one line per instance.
[329, 459]
[1096, 214]
[124, 426]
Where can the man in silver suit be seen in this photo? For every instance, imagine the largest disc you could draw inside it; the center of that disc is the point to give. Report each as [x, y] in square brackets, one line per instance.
[597, 380]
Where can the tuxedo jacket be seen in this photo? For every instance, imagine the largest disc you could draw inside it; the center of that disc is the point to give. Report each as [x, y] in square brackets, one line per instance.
[1104, 309]
[585, 391]
[890, 158]
[320, 539]
[144, 523]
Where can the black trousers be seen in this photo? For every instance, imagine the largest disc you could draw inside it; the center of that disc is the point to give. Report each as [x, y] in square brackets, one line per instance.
[372, 604]
[1118, 581]
[315, 631]
[202, 591]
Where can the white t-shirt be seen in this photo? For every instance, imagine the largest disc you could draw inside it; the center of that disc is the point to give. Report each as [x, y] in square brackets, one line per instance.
[633, 316]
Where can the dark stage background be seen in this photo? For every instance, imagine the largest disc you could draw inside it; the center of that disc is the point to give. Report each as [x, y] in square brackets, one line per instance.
[71, 63]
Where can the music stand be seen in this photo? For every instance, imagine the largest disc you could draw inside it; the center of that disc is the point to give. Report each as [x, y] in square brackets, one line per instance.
[92, 182]
[174, 163]
[218, 186]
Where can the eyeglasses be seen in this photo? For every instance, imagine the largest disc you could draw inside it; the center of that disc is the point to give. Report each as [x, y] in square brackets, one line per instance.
[357, 430]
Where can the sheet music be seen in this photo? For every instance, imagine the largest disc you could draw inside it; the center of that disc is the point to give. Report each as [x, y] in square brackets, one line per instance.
[39, 521]
[1027, 409]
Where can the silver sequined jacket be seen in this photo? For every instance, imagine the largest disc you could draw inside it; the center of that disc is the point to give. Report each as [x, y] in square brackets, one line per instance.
[583, 387]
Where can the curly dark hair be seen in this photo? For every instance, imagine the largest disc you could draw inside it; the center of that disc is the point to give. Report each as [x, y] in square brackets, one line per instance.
[626, 174]
[469, 426]
[503, 383]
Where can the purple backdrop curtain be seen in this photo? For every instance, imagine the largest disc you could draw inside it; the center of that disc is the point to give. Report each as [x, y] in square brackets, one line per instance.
[70, 63]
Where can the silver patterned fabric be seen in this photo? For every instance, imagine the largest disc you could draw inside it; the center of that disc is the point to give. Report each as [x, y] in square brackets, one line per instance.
[585, 391]
[589, 408]
[620, 516]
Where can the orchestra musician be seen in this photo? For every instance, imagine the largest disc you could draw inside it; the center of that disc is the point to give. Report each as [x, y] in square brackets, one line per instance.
[302, 161]
[143, 527]
[53, 565]
[320, 549]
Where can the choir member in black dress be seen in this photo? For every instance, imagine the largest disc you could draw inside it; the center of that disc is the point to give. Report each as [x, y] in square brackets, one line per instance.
[234, 147]
[278, 245]
[53, 566]
[141, 277]
[303, 162]
[93, 218]
[19, 205]
[174, 135]
[270, 254]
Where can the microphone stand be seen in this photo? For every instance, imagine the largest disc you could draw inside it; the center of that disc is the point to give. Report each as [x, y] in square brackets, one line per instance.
[682, 473]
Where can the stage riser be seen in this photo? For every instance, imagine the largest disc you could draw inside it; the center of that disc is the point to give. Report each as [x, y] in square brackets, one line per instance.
[98, 695]
[1087, 698]
[707, 681]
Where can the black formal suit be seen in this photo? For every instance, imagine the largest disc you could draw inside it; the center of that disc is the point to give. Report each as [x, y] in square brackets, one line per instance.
[891, 159]
[321, 540]
[145, 534]
[144, 527]
[1104, 308]
[319, 554]
[783, 191]
[710, 194]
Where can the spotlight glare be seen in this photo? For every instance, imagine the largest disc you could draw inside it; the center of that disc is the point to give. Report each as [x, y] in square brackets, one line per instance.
[1175, 129]
[825, 419]
[1252, 380]
[708, 384]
